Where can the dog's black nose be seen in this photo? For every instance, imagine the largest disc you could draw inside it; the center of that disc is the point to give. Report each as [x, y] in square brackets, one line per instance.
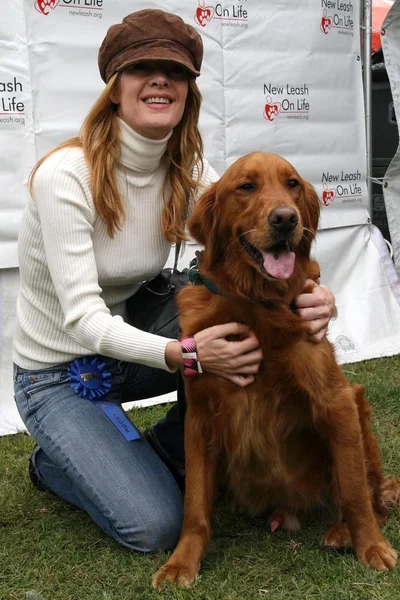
[283, 219]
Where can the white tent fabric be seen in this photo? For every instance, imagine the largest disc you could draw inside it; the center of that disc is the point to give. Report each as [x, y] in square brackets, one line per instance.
[277, 77]
[367, 291]
[391, 189]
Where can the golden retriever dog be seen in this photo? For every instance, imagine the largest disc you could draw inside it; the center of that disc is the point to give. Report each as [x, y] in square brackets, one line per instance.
[300, 435]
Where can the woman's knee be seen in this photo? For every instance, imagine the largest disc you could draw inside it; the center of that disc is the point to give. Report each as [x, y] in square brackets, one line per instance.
[152, 532]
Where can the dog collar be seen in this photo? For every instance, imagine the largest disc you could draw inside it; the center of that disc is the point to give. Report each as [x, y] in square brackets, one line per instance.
[196, 278]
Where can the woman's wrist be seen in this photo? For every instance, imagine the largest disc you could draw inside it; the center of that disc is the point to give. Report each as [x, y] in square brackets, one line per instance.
[183, 353]
[191, 362]
[173, 355]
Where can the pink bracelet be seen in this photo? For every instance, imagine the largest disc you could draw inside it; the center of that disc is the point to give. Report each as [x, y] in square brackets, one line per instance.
[191, 363]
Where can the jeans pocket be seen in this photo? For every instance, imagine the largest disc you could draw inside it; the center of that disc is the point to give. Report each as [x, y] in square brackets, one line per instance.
[33, 390]
[37, 382]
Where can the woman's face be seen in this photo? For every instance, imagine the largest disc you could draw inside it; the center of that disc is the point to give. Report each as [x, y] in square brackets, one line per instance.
[151, 97]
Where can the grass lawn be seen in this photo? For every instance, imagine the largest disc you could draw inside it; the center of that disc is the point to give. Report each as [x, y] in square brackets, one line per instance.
[49, 550]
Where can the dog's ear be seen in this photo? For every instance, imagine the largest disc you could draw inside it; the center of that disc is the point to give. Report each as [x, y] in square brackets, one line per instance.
[204, 223]
[203, 217]
[310, 215]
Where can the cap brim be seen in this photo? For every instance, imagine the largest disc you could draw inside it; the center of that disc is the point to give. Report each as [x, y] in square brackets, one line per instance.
[166, 55]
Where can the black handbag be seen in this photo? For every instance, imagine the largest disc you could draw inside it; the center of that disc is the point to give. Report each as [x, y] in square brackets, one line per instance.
[153, 307]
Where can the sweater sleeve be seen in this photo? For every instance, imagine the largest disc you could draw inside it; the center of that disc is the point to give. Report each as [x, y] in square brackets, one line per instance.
[63, 200]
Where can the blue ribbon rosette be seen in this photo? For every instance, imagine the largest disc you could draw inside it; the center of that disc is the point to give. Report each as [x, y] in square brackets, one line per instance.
[89, 378]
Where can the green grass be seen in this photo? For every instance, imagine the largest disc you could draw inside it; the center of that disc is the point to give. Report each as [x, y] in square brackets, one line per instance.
[48, 548]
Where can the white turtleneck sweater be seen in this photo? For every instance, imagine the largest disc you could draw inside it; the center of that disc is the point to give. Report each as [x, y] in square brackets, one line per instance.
[74, 278]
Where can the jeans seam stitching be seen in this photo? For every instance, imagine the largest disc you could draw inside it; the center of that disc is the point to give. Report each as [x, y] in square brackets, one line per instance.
[75, 468]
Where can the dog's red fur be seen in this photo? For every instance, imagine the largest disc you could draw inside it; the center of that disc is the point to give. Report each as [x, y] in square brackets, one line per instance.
[301, 433]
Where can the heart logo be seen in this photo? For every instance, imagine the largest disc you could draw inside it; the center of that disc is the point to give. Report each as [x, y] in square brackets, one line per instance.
[45, 6]
[203, 15]
[328, 196]
[326, 24]
[271, 110]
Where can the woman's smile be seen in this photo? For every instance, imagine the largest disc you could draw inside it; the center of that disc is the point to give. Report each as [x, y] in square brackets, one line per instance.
[151, 97]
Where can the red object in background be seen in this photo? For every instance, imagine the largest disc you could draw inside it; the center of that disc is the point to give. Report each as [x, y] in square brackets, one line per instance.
[380, 9]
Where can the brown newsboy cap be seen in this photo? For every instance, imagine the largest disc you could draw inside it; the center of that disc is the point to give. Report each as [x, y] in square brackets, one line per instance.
[150, 34]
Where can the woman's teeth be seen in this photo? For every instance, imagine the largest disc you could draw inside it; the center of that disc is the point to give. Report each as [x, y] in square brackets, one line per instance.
[156, 100]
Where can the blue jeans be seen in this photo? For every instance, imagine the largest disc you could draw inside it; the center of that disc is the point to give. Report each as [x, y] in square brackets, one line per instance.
[82, 457]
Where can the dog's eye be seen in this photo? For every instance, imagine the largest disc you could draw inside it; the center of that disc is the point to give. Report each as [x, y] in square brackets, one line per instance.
[247, 187]
[292, 183]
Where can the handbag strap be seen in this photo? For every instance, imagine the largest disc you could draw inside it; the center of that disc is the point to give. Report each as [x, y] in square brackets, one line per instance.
[177, 250]
[173, 270]
[178, 244]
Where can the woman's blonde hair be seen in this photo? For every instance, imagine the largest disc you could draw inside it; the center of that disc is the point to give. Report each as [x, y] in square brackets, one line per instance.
[99, 139]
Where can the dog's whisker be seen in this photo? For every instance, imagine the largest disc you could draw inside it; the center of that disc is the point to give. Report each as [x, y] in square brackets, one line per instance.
[238, 238]
[244, 232]
[307, 231]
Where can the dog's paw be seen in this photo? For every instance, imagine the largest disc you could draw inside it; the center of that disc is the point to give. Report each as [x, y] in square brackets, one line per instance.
[380, 556]
[338, 536]
[181, 574]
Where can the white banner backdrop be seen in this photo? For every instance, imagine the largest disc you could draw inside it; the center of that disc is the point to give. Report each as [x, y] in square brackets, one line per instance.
[17, 151]
[277, 76]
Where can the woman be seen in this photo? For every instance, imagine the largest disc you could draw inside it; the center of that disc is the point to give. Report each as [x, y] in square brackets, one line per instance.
[105, 208]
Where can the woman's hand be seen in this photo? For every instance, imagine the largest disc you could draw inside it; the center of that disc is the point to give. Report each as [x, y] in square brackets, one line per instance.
[315, 305]
[237, 361]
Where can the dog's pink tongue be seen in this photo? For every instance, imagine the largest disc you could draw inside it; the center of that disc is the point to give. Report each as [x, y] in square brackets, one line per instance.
[279, 263]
